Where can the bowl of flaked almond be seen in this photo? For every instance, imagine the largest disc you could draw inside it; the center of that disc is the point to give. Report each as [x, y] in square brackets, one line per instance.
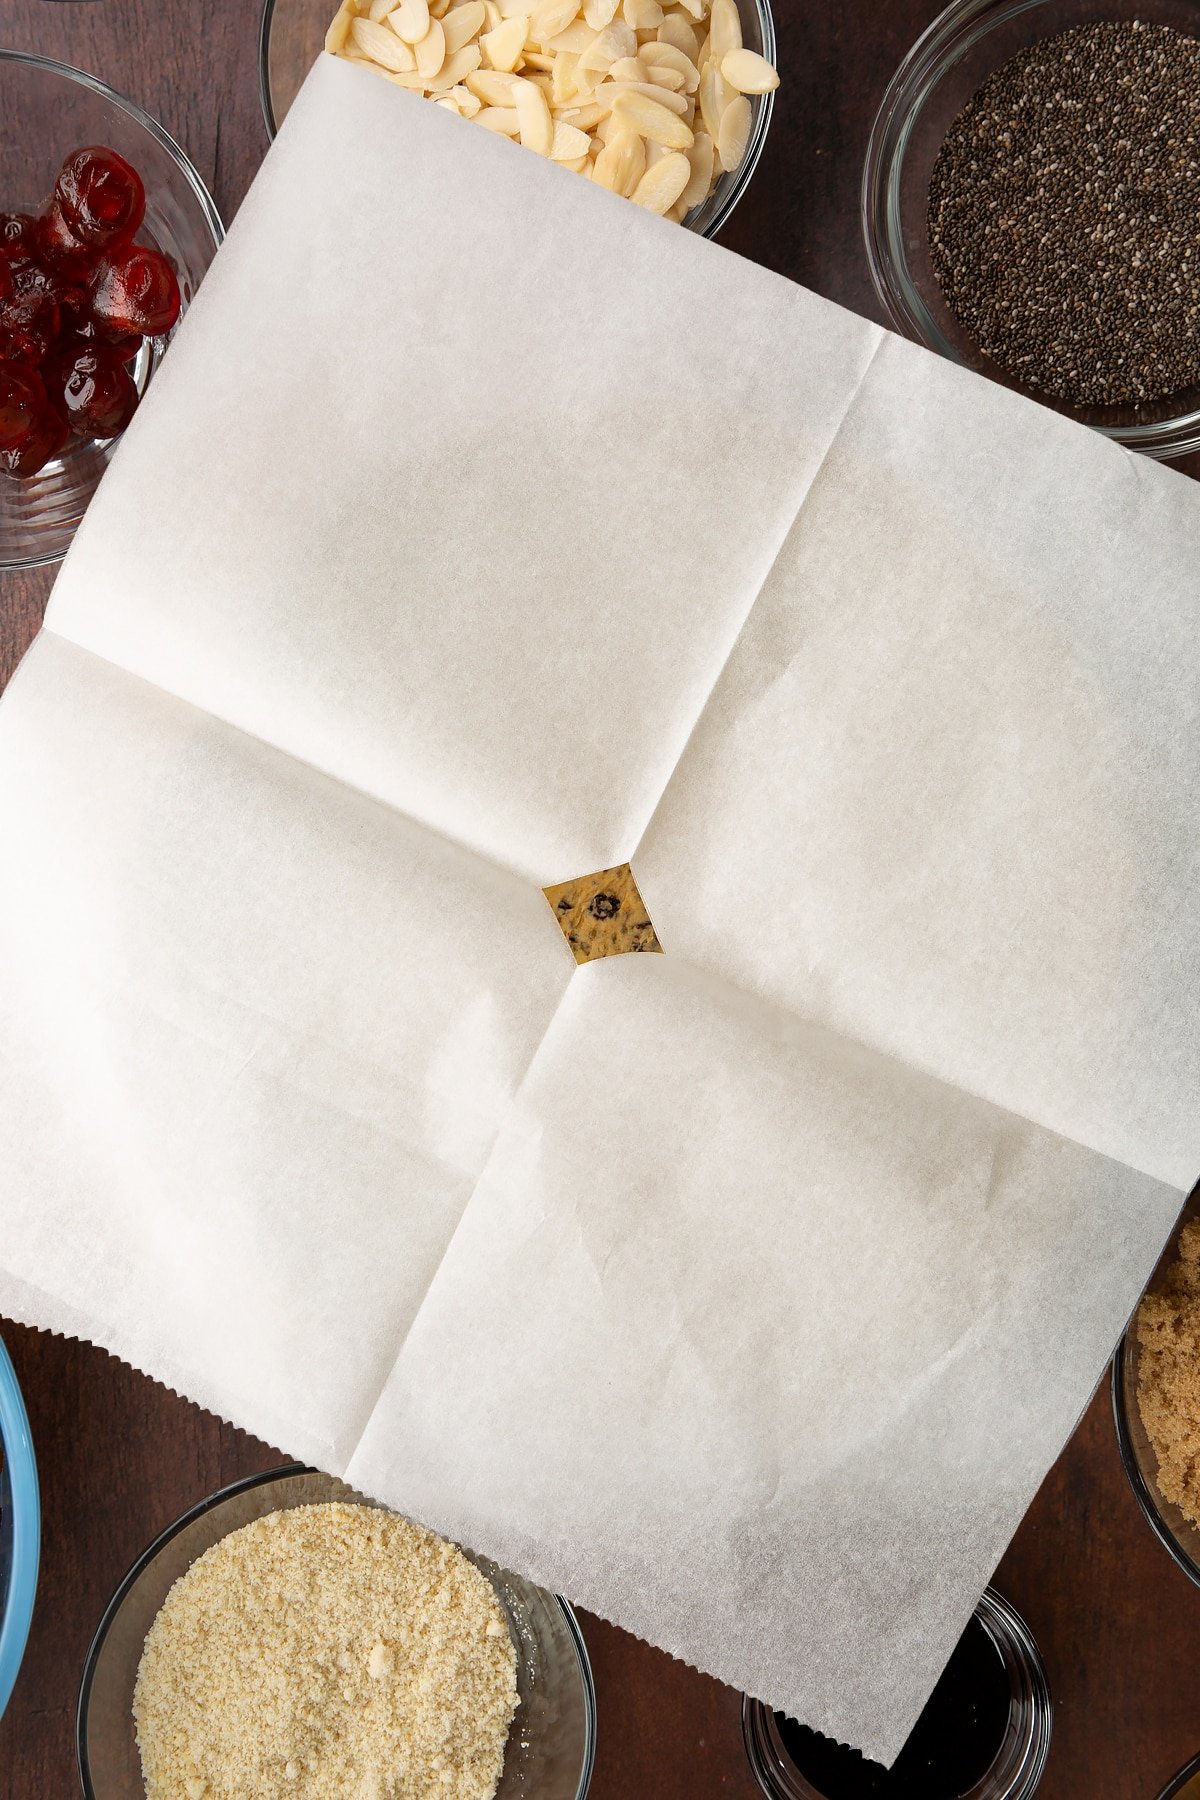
[288, 1639]
[664, 102]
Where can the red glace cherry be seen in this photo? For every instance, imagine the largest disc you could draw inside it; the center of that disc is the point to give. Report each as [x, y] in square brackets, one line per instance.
[77, 297]
[63, 287]
[135, 291]
[16, 236]
[44, 440]
[22, 398]
[101, 197]
[29, 316]
[58, 248]
[94, 386]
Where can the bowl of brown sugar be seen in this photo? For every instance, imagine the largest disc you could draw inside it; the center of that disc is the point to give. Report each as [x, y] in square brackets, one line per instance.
[1156, 1396]
[1031, 206]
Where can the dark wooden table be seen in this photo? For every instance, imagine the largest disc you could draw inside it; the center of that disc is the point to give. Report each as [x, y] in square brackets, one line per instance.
[120, 1457]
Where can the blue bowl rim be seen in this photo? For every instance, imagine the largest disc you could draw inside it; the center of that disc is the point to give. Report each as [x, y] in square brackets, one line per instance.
[197, 1511]
[17, 1442]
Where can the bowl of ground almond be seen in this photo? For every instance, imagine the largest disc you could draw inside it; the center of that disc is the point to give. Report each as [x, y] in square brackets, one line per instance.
[1031, 206]
[1156, 1396]
[289, 1640]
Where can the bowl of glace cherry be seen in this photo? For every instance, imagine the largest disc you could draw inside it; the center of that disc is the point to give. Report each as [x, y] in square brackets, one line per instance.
[95, 272]
[78, 298]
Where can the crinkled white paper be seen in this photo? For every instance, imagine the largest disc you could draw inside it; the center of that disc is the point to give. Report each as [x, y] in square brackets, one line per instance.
[481, 531]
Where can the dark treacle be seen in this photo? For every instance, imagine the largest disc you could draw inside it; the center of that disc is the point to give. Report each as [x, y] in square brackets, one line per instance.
[953, 1744]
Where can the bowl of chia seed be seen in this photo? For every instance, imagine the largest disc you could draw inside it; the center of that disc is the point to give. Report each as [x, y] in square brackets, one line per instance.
[1031, 206]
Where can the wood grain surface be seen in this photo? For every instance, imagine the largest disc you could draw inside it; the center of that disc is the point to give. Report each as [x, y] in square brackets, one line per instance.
[1118, 1624]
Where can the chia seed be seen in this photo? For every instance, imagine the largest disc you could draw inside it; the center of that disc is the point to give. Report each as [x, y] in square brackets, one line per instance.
[1064, 214]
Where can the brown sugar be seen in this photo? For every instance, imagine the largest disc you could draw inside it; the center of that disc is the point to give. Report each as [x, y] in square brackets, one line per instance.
[1168, 1330]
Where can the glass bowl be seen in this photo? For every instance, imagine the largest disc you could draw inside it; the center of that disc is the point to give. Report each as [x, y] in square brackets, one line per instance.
[1177, 1534]
[48, 110]
[552, 1745]
[1185, 1785]
[20, 1527]
[934, 82]
[1020, 1761]
[292, 36]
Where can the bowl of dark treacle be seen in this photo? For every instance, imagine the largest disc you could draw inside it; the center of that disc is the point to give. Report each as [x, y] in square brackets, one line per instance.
[983, 1735]
[105, 232]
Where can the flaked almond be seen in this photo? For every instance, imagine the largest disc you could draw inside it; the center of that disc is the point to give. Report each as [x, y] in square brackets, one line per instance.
[379, 10]
[504, 45]
[381, 45]
[676, 31]
[598, 13]
[735, 132]
[653, 121]
[749, 72]
[622, 163]
[533, 116]
[501, 119]
[492, 87]
[612, 91]
[661, 186]
[461, 24]
[700, 158]
[552, 18]
[642, 15]
[562, 78]
[568, 143]
[669, 56]
[724, 29]
[585, 117]
[339, 28]
[410, 21]
[576, 37]
[714, 98]
[431, 51]
[606, 48]
[659, 75]
[456, 68]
